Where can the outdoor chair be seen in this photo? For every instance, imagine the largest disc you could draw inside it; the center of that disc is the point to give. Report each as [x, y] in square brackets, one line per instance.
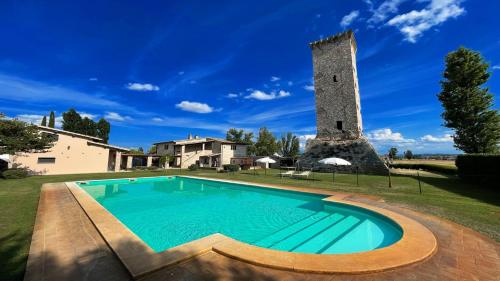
[304, 174]
[287, 174]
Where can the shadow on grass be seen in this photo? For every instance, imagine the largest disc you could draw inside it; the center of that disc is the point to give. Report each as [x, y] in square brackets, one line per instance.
[483, 192]
[13, 255]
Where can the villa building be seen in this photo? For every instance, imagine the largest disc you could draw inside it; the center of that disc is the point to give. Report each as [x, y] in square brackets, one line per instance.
[72, 153]
[204, 152]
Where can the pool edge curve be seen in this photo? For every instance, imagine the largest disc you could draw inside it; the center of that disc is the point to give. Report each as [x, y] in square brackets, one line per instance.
[417, 243]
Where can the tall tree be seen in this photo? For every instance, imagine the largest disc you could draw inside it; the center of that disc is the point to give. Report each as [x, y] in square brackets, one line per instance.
[241, 136]
[44, 121]
[266, 143]
[467, 104]
[52, 119]
[289, 145]
[103, 129]
[408, 154]
[248, 139]
[393, 152]
[152, 149]
[235, 135]
[17, 136]
[72, 121]
[88, 127]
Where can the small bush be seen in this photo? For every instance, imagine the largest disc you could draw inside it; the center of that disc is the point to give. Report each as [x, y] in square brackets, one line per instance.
[193, 167]
[231, 168]
[246, 167]
[15, 173]
[426, 167]
[483, 167]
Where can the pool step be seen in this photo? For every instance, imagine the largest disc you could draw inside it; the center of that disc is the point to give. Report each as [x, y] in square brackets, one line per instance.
[291, 230]
[308, 233]
[327, 238]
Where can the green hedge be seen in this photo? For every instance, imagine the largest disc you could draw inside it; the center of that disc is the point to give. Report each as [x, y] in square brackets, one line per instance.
[15, 174]
[231, 168]
[193, 167]
[449, 170]
[478, 166]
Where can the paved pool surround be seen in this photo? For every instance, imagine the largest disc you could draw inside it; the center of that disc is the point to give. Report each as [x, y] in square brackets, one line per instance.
[416, 244]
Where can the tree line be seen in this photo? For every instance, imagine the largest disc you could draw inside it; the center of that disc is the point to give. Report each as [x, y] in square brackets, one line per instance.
[73, 122]
[266, 143]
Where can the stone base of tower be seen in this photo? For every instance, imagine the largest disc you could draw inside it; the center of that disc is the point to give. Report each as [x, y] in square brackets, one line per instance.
[359, 152]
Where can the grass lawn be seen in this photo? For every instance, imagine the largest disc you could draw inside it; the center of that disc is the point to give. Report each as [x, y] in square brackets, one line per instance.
[477, 207]
[448, 163]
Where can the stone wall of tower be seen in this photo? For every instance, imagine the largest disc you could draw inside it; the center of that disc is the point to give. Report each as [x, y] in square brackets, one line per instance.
[337, 100]
[336, 88]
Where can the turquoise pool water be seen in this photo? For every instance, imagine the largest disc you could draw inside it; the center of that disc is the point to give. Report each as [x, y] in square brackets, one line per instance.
[169, 211]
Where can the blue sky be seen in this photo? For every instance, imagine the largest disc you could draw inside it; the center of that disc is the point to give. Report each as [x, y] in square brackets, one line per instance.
[159, 70]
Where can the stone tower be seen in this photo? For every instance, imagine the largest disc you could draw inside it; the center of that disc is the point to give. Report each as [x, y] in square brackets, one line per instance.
[338, 108]
[338, 114]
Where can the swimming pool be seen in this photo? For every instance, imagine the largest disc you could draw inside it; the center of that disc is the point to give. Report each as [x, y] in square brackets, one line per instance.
[169, 211]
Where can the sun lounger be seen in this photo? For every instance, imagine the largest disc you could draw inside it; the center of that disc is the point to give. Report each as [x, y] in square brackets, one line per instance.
[287, 174]
[304, 174]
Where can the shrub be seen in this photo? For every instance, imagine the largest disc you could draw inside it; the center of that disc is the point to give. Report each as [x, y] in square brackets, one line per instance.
[193, 167]
[449, 170]
[17, 173]
[231, 167]
[483, 167]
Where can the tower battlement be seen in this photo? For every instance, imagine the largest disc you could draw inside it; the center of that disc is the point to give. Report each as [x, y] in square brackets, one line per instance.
[347, 35]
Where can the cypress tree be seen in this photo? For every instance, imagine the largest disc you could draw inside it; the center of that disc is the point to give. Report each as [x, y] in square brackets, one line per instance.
[467, 104]
[52, 120]
[44, 121]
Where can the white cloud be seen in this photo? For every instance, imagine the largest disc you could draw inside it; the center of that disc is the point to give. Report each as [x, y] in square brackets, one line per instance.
[282, 94]
[290, 83]
[157, 119]
[93, 79]
[387, 135]
[231, 95]
[196, 107]
[496, 67]
[116, 116]
[414, 23]
[30, 118]
[309, 88]
[142, 87]
[385, 9]
[37, 119]
[275, 78]
[88, 115]
[303, 140]
[260, 95]
[181, 72]
[430, 138]
[349, 18]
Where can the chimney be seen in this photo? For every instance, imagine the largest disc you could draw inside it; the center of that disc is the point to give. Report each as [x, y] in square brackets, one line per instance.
[190, 137]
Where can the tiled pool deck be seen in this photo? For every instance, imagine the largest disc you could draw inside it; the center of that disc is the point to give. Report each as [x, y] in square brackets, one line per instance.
[67, 246]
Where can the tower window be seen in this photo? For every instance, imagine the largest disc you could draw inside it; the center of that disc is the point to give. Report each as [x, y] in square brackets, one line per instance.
[335, 78]
[339, 125]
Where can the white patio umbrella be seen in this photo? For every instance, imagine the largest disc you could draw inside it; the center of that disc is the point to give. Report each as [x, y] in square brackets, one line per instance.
[266, 160]
[334, 161]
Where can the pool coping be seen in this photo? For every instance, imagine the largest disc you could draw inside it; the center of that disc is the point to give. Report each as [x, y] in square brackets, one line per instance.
[417, 243]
